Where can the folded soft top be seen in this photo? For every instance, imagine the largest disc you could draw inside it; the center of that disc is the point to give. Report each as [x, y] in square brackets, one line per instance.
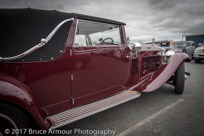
[21, 29]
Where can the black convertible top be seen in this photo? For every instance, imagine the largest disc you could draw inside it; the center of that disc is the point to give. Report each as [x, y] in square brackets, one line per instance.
[53, 14]
[21, 29]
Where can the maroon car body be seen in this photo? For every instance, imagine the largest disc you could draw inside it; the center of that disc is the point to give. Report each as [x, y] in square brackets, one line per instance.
[80, 75]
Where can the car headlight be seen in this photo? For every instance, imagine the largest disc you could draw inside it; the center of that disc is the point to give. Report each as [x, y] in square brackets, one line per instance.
[170, 53]
[196, 50]
[180, 50]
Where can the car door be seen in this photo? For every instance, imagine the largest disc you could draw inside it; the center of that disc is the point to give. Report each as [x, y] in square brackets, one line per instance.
[100, 66]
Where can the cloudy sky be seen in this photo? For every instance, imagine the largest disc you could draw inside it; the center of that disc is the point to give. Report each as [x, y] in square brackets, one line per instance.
[145, 19]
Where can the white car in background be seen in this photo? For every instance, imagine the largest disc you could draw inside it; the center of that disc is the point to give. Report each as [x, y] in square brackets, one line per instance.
[199, 53]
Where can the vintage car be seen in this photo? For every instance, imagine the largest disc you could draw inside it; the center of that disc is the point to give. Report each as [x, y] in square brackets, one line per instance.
[166, 48]
[57, 68]
[187, 47]
[199, 53]
[163, 44]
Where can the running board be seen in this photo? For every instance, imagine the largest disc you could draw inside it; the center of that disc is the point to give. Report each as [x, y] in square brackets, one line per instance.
[69, 116]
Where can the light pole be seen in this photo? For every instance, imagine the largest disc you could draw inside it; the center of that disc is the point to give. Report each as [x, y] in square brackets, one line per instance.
[183, 36]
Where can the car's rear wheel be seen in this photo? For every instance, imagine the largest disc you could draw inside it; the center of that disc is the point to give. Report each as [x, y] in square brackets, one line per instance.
[179, 79]
[13, 121]
[197, 60]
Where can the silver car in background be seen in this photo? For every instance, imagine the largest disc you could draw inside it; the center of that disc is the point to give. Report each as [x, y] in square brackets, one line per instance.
[187, 47]
[199, 53]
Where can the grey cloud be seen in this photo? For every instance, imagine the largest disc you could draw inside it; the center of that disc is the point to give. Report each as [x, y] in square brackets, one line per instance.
[161, 19]
[186, 17]
[164, 4]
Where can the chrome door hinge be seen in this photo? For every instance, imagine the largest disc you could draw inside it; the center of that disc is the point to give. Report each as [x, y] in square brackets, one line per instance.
[70, 52]
[72, 100]
[72, 77]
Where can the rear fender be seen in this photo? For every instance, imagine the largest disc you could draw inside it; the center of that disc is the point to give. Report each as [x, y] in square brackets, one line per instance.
[14, 92]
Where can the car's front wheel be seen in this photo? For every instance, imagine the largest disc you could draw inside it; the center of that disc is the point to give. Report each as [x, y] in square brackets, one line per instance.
[179, 79]
[13, 121]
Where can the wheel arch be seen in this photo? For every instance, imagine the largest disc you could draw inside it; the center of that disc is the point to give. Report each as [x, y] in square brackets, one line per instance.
[18, 94]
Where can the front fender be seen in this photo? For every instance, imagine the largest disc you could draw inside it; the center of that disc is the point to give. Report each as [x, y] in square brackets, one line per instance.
[169, 69]
[15, 92]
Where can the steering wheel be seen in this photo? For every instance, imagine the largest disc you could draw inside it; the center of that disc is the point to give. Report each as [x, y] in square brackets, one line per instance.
[103, 41]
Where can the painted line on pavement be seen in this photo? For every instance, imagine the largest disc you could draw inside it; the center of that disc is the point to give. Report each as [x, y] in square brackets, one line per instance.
[141, 123]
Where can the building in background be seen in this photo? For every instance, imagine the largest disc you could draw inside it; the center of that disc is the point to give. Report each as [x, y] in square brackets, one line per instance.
[197, 38]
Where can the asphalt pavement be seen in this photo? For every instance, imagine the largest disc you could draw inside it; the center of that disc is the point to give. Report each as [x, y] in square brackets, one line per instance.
[159, 113]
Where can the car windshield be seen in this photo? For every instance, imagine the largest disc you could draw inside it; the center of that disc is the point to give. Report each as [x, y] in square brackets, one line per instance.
[90, 33]
[162, 44]
[179, 44]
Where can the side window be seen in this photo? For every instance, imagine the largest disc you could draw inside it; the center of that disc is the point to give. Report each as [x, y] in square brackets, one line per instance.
[91, 33]
[80, 40]
[188, 44]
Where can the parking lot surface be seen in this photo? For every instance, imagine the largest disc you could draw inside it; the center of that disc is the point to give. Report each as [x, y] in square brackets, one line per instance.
[159, 113]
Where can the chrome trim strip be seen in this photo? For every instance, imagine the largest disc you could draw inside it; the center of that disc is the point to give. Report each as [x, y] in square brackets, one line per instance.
[75, 32]
[39, 45]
